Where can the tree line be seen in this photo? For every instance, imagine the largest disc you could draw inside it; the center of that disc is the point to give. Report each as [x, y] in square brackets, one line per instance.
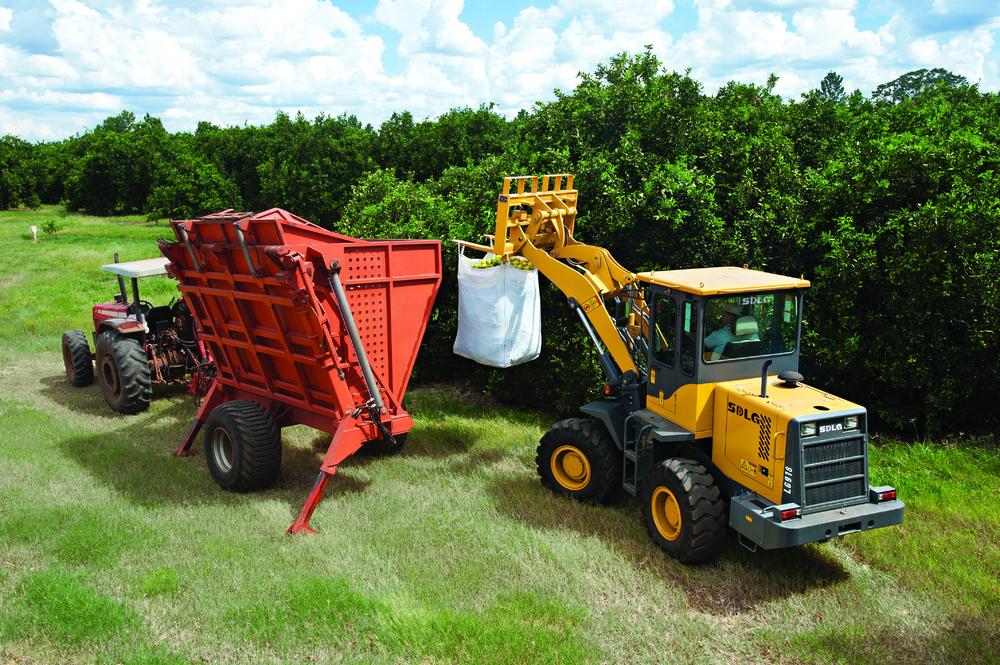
[887, 202]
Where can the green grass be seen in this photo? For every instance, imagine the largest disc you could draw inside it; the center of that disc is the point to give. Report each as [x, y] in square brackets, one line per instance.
[112, 550]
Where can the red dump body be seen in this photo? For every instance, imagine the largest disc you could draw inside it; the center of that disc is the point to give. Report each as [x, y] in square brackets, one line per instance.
[261, 290]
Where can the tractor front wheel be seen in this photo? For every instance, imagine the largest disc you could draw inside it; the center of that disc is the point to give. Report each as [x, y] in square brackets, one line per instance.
[77, 359]
[577, 458]
[242, 446]
[123, 373]
[684, 511]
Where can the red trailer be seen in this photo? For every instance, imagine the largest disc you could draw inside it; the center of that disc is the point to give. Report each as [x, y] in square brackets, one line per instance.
[305, 326]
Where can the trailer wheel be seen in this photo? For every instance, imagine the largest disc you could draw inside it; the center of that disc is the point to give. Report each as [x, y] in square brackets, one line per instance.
[123, 373]
[77, 359]
[242, 446]
[577, 458]
[684, 511]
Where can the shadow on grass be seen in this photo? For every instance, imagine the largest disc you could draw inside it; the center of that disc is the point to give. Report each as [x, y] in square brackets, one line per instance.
[137, 459]
[738, 581]
[88, 400]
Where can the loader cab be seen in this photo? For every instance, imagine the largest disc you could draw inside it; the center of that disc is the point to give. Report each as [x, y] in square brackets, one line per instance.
[709, 325]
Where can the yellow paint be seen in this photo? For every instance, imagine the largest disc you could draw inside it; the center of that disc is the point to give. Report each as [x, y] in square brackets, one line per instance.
[690, 407]
[738, 449]
[570, 467]
[666, 513]
[727, 279]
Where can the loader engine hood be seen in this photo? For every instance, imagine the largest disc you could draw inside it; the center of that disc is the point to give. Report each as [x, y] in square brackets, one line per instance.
[758, 442]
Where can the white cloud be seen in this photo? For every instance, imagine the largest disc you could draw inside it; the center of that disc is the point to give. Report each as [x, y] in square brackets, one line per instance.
[236, 61]
[429, 25]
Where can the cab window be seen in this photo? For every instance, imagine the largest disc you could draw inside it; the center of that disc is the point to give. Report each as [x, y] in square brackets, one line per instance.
[687, 338]
[750, 324]
[665, 330]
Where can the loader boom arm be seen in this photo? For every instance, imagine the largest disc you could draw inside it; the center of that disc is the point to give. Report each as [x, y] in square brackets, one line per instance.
[535, 219]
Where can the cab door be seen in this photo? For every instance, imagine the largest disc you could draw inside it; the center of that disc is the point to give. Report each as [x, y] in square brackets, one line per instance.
[671, 347]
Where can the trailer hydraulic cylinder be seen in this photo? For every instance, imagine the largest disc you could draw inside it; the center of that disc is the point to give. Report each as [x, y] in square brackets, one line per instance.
[352, 331]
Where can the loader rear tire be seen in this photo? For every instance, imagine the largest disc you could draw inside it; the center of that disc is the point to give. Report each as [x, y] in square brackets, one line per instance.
[684, 511]
[578, 459]
[123, 373]
[77, 358]
[242, 446]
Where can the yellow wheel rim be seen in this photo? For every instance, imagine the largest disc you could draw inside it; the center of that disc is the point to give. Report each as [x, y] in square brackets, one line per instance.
[570, 467]
[666, 513]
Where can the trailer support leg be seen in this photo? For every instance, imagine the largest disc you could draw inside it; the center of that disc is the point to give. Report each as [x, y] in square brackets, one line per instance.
[212, 399]
[346, 441]
[301, 522]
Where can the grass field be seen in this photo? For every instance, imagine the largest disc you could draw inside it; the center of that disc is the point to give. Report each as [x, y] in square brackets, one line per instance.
[112, 550]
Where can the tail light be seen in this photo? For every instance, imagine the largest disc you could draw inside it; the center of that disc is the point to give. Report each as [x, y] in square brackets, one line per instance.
[788, 511]
[880, 494]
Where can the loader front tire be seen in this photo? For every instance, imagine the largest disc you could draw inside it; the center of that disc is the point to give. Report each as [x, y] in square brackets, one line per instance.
[684, 511]
[242, 446]
[578, 459]
[77, 359]
[123, 373]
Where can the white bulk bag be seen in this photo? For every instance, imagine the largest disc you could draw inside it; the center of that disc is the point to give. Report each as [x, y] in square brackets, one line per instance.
[499, 314]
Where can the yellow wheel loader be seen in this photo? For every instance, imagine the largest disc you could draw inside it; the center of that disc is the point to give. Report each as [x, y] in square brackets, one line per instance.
[705, 417]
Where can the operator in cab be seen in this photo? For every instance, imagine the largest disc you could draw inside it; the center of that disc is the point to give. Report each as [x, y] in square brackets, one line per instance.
[735, 327]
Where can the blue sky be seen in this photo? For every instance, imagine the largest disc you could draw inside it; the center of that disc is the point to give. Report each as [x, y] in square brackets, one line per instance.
[67, 64]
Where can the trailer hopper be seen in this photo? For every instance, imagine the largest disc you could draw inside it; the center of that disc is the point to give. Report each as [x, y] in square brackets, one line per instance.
[305, 326]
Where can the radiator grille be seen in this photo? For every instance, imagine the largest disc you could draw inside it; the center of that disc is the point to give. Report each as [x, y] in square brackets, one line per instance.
[834, 471]
[845, 489]
[831, 450]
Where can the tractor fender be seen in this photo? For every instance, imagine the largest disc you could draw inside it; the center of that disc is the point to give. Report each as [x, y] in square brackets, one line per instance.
[124, 326]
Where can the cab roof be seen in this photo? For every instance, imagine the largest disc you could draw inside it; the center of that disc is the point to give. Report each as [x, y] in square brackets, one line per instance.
[726, 279]
[142, 268]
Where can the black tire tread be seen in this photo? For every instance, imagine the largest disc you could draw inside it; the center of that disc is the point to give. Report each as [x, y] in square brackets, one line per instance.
[257, 441]
[592, 439]
[75, 341]
[133, 371]
[702, 509]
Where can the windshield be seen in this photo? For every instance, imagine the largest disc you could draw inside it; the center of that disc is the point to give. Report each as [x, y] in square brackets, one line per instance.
[750, 324]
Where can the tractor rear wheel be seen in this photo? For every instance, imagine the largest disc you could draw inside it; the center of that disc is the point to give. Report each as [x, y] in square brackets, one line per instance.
[123, 373]
[242, 446]
[578, 459]
[77, 359]
[684, 511]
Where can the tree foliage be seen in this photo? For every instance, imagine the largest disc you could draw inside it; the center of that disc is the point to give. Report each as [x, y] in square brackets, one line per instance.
[911, 84]
[18, 178]
[890, 209]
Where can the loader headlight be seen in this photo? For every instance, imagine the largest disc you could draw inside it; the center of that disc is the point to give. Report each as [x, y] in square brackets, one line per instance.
[851, 422]
[807, 429]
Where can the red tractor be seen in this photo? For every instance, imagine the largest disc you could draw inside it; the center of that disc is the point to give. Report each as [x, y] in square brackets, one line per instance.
[136, 344]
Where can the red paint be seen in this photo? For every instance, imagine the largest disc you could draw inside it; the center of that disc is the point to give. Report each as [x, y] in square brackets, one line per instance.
[275, 331]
